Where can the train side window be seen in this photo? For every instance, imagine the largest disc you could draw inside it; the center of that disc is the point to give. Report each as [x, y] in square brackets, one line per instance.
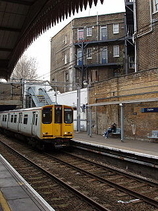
[47, 115]
[25, 119]
[68, 115]
[36, 120]
[33, 118]
[58, 114]
[11, 118]
[15, 118]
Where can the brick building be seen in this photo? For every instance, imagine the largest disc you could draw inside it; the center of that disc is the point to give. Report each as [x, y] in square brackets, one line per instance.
[124, 90]
[136, 92]
[89, 48]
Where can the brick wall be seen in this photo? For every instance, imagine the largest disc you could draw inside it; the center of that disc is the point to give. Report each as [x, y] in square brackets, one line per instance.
[147, 35]
[137, 86]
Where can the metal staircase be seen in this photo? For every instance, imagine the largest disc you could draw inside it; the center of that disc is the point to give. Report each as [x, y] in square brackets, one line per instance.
[38, 100]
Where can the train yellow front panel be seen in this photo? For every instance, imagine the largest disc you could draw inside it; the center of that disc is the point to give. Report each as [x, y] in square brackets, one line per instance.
[47, 130]
[57, 130]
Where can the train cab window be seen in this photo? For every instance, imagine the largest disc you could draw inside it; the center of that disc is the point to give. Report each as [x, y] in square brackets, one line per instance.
[68, 115]
[47, 115]
[58, 114]
[25, 119]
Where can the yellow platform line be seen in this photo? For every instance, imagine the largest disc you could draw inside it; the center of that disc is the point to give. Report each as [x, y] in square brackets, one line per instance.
[4, 203]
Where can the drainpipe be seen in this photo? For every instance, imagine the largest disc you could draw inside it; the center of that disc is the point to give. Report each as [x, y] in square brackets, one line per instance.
[135, 32]
[122, 122]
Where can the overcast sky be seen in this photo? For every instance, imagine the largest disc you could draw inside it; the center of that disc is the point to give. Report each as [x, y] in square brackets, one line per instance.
[40, 49]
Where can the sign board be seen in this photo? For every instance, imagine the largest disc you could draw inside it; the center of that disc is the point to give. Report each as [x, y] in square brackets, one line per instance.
[144, 110]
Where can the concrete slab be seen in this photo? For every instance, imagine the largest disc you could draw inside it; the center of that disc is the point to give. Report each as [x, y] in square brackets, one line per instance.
[7, 182]
[23, 205]
[14, 193]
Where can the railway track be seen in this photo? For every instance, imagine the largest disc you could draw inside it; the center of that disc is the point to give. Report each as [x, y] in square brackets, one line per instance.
[97, 186]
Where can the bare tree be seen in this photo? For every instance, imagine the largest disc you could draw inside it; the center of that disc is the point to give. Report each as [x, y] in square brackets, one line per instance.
[25, 69]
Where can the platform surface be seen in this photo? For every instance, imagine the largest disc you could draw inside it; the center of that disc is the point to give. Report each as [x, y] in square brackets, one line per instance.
[16, 194]
[146, 148]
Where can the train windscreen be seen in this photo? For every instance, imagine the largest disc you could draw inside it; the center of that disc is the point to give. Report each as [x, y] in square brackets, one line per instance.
[68, 115]
[58, 114]
[47, 115]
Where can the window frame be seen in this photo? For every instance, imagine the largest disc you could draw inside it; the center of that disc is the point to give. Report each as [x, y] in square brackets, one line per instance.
[103, 29]
[116, 51]
[80, 34]
[116, 28]
[104, 55]
[89, 31]
[155, 6]
[89, 53]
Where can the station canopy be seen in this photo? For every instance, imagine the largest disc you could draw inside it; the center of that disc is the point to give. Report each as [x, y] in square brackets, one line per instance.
[22, 21]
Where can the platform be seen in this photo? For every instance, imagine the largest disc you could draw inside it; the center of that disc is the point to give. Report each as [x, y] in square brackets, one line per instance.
[16, 194]
[145, 148]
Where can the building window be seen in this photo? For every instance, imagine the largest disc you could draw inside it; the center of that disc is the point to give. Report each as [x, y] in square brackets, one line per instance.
[115, 28]
[89, 31]
[116, 51]
[89, 53]
[94, 76]
[79, 57]
[103, 33]
[80, 34]
[67, 76]
[65, 39]
[104, 56]
[66, 59]
[131, 62]
[155, 5]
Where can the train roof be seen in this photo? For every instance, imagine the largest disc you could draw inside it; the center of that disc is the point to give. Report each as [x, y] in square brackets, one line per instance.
[31, 109]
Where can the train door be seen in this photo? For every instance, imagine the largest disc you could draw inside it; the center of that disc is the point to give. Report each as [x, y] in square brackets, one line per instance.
[58, 120]
[19, 122]
[34, 123]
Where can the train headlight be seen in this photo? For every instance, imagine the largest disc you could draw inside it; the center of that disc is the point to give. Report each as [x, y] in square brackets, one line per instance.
[67, 133]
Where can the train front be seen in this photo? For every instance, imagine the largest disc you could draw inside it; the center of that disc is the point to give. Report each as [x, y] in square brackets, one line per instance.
[57, 125]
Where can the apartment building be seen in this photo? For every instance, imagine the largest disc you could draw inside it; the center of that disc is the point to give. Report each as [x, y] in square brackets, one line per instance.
[88, 49]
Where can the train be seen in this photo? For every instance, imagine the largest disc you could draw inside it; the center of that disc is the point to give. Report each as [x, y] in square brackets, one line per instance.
[50, 125]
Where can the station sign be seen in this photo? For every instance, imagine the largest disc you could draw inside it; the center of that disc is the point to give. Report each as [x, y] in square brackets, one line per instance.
[144, 110]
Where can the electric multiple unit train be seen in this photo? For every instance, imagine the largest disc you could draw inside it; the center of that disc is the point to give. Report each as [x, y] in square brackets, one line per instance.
[40, 126]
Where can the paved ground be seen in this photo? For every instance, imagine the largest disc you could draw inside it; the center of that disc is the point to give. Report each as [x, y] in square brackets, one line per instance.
[145, 147]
